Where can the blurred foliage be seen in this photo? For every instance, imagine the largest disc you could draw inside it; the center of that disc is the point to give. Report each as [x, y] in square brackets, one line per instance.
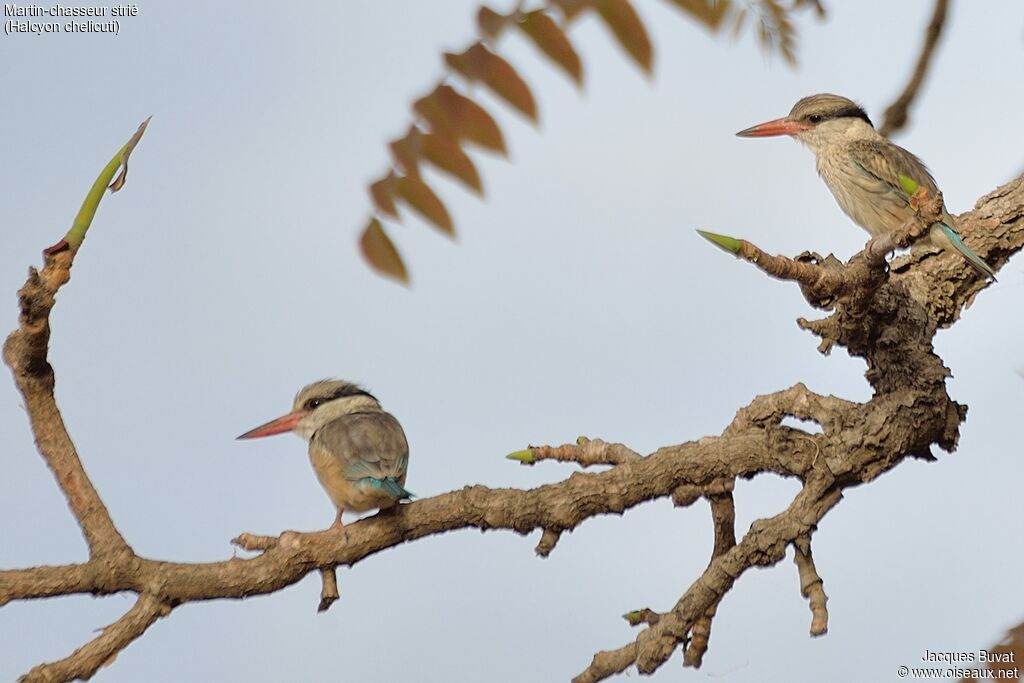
[446, 119]
[1011, 650]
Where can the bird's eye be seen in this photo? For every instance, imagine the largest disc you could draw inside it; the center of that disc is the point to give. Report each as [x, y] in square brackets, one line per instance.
[313, 403]
[815, 118]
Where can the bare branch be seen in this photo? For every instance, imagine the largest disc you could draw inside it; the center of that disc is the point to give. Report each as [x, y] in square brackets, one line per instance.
[763, 545]
[87, 660]
[45, 582]
[723, 515]
[548, 541]
[254, 543]
[811, 586]
[896, 113]
[25, 351]
[585, 452]
[329, 592]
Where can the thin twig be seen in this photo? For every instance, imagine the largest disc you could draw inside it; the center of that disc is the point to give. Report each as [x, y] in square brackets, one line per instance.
[84, 662]
[548, 541]
[896, 114]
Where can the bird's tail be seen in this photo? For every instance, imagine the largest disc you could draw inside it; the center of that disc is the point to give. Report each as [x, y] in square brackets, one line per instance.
[954, 239]
[391, 486]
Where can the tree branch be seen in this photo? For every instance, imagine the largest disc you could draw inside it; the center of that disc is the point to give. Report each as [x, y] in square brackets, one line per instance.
[102, 651]
[764, 545]
[723, 516]
[811, 586]
[896, 113]
[329, 593]
[25, 352]
[586, 453]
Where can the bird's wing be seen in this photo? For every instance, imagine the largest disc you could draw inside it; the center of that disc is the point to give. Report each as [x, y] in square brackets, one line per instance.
[366, 445]
[886, 162]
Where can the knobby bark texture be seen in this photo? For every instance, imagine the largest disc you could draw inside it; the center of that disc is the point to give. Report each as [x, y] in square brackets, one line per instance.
[885, 314]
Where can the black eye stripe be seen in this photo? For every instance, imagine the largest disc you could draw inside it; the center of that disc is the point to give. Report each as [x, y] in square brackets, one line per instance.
[348, 391]
[343, 392]
[846, 113]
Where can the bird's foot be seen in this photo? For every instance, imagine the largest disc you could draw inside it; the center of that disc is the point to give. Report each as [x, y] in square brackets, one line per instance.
[338, 527]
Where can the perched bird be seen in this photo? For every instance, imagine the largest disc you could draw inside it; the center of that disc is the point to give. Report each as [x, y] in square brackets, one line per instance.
[863, 168]
[358, 451]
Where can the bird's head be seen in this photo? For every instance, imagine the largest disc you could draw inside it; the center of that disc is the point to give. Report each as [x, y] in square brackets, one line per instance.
[316, 405]
[817, 120]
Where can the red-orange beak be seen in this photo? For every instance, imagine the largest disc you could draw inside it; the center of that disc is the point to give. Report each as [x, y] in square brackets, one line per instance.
[285, 423]
[783, 126]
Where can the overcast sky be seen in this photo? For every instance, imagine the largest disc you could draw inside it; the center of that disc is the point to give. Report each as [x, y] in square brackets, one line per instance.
[576, 300]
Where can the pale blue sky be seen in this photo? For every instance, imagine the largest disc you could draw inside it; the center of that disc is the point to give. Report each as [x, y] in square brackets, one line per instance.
[578, 300]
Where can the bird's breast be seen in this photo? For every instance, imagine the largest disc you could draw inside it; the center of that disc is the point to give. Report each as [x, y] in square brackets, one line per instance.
[869, 202]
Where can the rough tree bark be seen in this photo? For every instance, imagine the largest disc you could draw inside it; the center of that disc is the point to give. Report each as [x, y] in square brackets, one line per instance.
[887, 316]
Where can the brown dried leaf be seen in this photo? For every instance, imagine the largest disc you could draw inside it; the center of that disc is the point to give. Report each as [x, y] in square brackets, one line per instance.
[775, 30]
[737, 24]
[408, 150]
[552, 41]
[490, 22]
[819, 8]
[625, 23]
[383, 194]
[709, 12]
[456, 116]
[786, 48]
[422, 199]
[764, 35]
[787, 36]
[480, 64]
[380, 252]
[571, 8]
[442, 152]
